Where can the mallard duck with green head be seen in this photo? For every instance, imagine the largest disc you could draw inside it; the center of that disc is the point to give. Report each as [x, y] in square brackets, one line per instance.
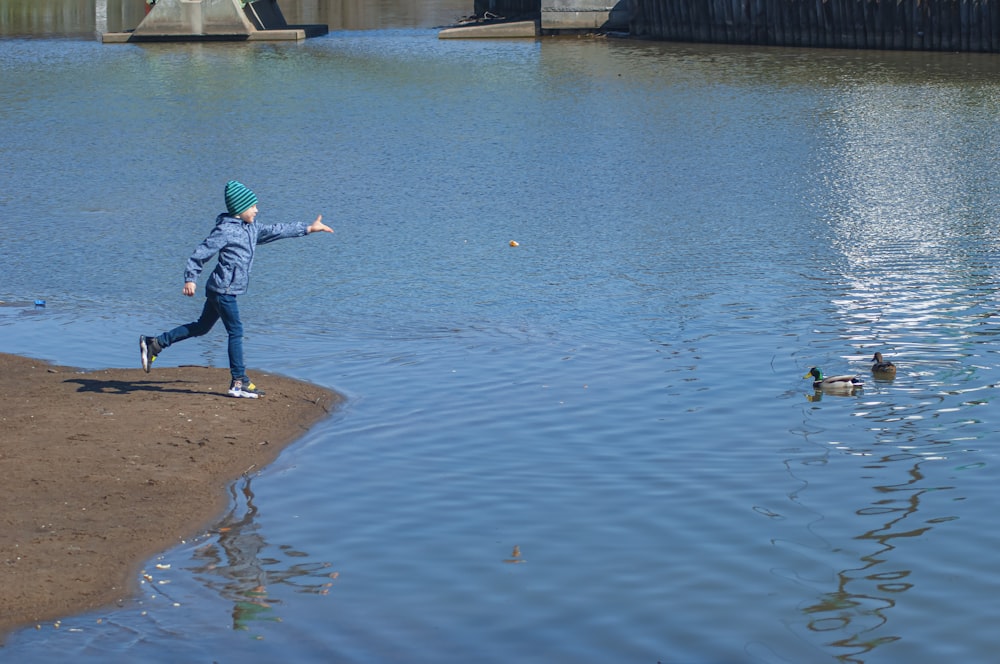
[883, 368]
[845, 382]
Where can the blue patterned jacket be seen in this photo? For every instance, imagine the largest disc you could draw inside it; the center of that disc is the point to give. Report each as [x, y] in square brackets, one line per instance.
[235, 241]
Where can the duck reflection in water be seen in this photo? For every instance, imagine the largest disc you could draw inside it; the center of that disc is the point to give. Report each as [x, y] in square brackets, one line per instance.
[240, 567]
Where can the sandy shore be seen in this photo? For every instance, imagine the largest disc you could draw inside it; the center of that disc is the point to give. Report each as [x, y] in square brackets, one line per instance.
[103, 469]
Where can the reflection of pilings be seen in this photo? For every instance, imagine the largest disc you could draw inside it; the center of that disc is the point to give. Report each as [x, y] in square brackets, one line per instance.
[840, 610]
[101, 16]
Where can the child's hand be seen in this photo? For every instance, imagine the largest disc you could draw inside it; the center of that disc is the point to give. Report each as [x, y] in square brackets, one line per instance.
[318, 225]
[189, 288]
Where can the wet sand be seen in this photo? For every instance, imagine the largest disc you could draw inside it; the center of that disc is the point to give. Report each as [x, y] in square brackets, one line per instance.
[104, 469]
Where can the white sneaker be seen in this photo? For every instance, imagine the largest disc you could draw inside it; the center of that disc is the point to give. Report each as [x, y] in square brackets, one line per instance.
[236, 390]
[149, 348]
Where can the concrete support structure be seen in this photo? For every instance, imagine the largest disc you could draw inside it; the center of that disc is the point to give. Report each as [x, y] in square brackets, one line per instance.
[584, 15]
[215, 20]
[498, 30]
[545, 16]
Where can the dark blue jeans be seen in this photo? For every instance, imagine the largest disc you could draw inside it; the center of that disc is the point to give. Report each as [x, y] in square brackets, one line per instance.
[217, 306]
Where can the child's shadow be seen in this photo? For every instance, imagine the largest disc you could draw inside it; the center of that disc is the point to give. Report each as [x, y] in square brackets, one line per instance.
[130, 386]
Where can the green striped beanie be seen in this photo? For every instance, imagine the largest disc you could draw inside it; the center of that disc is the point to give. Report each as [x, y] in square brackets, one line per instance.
[238, 198]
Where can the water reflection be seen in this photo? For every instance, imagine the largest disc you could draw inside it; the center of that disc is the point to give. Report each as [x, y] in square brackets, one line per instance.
[857, 611]
[906, 274]
[907, 215]
[897, 440]
[239, 565]
[817, 395]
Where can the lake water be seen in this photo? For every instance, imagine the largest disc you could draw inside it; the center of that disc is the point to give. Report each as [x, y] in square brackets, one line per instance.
[620, 396]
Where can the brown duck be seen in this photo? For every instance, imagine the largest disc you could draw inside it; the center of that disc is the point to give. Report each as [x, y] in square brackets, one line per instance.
[883, 368]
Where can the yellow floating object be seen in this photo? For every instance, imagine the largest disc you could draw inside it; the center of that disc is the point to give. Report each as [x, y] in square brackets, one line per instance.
[514, 243]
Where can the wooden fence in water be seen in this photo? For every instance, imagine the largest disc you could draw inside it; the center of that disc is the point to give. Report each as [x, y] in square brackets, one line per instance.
[925, 25]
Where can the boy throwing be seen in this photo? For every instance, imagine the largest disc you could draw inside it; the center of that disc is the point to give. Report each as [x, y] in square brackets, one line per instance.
[234, 238]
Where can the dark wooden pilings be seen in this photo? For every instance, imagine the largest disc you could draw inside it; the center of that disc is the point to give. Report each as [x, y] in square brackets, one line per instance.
[507, 7]
[927, 25]
[921, 25]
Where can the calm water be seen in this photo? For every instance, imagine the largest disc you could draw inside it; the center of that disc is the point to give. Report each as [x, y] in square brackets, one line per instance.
[620, 396]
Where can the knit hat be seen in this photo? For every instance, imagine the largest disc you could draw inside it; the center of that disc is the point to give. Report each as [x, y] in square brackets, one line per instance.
[238, 198]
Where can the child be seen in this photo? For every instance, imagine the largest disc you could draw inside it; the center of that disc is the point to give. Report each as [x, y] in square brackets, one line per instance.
[234, 238]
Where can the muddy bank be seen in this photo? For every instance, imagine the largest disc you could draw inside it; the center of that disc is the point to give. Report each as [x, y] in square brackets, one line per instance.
[103, 469]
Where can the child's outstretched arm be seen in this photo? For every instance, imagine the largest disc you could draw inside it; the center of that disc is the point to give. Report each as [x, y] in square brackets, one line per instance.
[318, 226]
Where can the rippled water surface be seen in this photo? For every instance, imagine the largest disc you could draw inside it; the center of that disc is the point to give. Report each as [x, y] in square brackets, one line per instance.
[596, 446]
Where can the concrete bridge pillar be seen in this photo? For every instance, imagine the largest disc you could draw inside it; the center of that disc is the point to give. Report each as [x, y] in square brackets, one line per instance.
[215, 20]
[195, 17]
